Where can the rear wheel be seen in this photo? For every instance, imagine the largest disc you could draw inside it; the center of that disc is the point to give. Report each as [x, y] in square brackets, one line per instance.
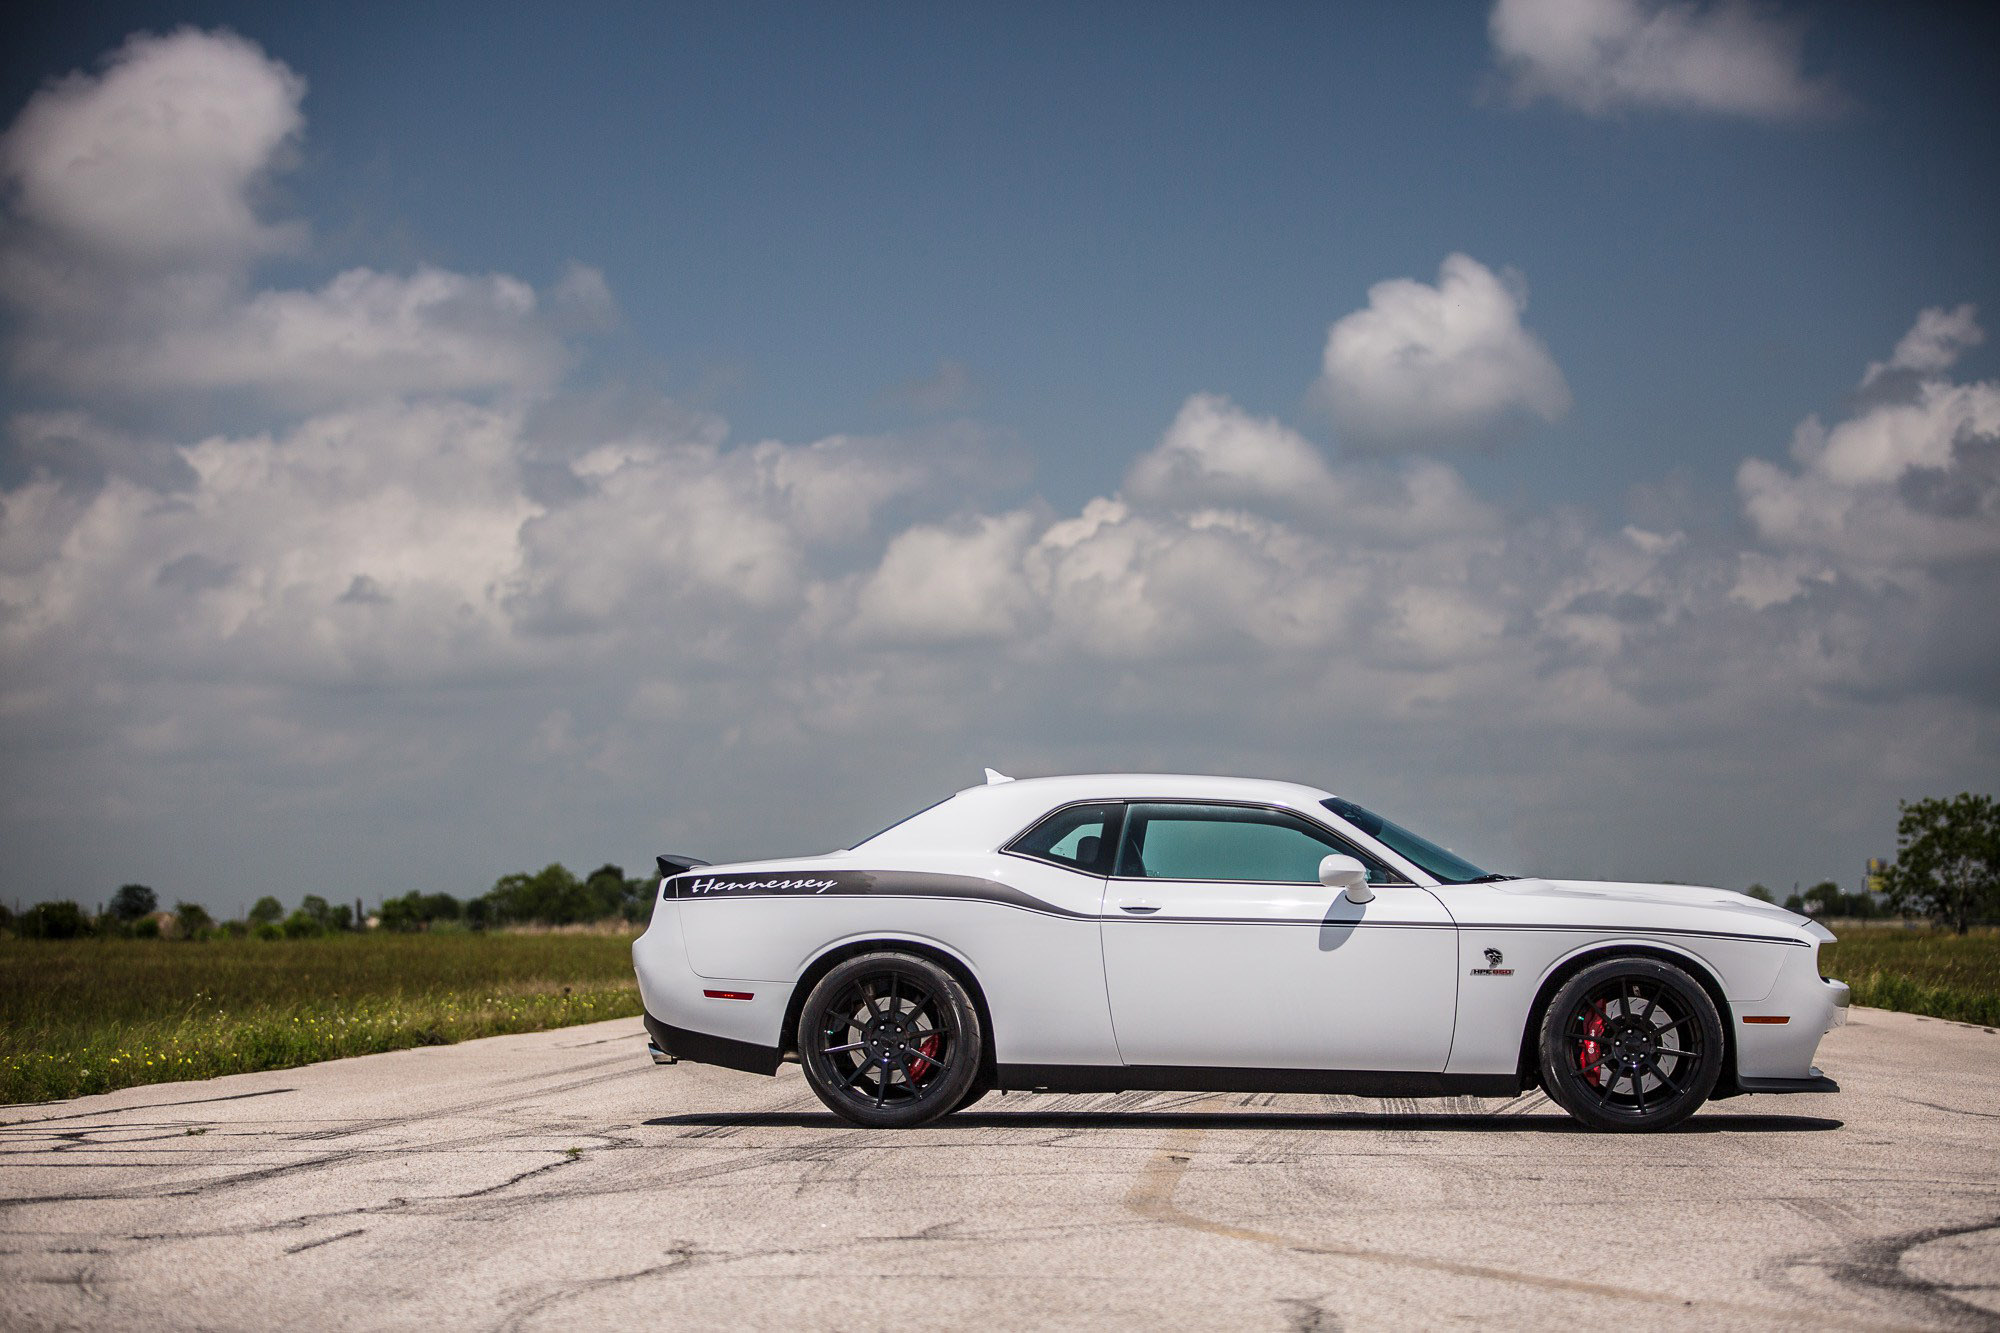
[1631, 1043]
[890, 1040]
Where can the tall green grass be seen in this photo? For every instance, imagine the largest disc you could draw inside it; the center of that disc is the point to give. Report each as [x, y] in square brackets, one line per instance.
[1919, 971]
[81, 1016]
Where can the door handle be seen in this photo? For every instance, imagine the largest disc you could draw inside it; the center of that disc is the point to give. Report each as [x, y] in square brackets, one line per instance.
[1137, 907]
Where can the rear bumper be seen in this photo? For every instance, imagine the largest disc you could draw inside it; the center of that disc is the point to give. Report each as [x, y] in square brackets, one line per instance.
[670, 1045]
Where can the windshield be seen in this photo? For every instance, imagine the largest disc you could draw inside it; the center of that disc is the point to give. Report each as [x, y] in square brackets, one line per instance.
[1440, 864]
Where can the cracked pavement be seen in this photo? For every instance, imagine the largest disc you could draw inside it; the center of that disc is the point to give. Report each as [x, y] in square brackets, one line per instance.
[558, 1180]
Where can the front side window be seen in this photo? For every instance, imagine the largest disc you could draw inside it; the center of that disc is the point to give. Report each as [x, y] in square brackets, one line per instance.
[1444, 866]
[1077, 837]
[1171, 840]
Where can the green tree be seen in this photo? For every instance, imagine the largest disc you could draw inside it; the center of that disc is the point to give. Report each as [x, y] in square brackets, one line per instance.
[133, 901]
[1824, 899]
[552, 896]
[416, 911]
[1760, 893]
[62, 920]
[302, 924]
[267, 911]
[1947, 860]
[611, 894]
[192, 921]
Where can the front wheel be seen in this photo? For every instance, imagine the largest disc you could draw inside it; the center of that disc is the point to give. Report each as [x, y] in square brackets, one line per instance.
[1631, 1043]
[890, 1040]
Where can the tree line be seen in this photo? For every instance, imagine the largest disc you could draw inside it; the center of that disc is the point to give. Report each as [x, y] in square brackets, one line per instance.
[551, 896]
[1947, 869]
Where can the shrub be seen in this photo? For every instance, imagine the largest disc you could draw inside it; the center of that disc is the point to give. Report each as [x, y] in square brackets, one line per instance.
[267, 911]
[62, 920]
[146, 928]
[192, 921]
[302, 925]
[267, 930]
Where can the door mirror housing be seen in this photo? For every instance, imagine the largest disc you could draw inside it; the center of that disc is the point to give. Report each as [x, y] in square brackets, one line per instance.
[1348, 875]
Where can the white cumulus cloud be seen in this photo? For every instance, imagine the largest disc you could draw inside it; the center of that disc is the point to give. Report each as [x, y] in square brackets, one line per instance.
[1729, 57]
[137, 229]
[1423, 364]
[155, 160]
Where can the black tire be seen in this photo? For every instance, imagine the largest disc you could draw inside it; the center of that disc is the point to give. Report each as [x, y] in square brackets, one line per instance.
[980, 1087]
[890, 1040]
[1631, 1044]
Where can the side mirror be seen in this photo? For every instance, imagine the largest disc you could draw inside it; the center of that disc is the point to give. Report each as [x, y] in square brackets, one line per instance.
[1348, 875]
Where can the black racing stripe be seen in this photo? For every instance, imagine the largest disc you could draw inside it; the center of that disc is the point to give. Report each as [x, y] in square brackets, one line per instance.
[1640, 930]
[698, 886]
[864, 883]
[1324, 922]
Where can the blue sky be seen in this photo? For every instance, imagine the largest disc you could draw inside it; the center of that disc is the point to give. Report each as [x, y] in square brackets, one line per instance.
[802, 208]
[1005, 253]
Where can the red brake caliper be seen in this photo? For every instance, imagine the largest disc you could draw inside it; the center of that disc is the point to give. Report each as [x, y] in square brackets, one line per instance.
[1592, 1052]
[929, 1046]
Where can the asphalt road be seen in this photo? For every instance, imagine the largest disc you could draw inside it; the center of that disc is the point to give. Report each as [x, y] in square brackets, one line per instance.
[559, 1180]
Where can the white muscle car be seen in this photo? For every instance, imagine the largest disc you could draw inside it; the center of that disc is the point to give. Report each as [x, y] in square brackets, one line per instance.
[1113, 932]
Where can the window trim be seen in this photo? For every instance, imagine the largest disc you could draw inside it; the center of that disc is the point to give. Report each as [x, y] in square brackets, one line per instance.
[1393, 863]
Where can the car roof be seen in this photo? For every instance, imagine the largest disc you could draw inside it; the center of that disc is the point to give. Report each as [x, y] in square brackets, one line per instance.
[988, 815]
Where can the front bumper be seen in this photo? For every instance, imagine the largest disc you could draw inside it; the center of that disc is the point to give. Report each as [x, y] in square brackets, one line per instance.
[1838, 992]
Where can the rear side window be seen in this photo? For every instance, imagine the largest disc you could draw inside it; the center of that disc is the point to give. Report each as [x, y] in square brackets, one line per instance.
[1077, 837]
[1221, 842]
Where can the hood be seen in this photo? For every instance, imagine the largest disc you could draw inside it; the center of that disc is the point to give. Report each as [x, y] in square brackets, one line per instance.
[1683, 895]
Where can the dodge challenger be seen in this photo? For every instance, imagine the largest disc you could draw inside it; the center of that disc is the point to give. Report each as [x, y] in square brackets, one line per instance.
[1120, 931]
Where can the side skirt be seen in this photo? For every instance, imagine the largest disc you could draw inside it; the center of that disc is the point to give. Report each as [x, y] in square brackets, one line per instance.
[1201, 1078]
[702, 1049]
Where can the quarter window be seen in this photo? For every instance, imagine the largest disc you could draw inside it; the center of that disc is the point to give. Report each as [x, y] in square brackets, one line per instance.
[1077, 837]
[1220, 842]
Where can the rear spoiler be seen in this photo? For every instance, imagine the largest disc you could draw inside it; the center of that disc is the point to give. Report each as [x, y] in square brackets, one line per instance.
[672, 864]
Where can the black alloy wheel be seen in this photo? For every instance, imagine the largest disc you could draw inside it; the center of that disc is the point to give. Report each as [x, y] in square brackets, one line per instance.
[890, 1040]
[1631, 1044]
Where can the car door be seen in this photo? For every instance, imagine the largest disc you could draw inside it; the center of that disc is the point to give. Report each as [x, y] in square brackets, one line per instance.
[1222, 948]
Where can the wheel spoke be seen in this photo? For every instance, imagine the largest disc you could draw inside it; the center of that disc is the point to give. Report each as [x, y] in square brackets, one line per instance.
[882, 1084]
[1639, 1089]
[1653, 1067]
[1680, 1022]
[859, 1070]
[851, 1046]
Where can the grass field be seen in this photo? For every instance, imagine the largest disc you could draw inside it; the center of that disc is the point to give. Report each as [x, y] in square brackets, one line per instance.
[1919, 971]
[83, 1016]
[79, 1016]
